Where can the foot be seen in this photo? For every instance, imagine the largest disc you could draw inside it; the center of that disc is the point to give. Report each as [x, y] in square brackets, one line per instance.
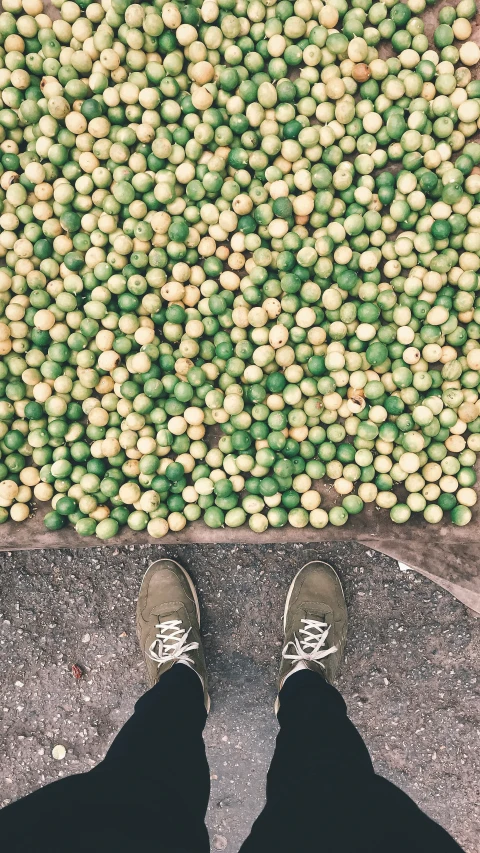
[168, 622]
[315, 623]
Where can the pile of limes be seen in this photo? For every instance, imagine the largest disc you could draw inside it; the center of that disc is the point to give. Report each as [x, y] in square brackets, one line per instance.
[236, 212]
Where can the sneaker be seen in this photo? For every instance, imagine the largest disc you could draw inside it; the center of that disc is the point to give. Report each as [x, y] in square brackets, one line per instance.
[315, 623]
[168, 622]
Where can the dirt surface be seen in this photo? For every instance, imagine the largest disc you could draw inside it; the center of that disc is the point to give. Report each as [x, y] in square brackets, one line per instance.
[410, 676]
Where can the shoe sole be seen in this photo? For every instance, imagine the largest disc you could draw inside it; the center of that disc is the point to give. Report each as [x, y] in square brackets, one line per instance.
[195, 598]
[287, 604]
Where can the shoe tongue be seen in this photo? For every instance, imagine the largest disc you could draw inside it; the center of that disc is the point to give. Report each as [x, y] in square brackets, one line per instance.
[314, 613]
[172, 635]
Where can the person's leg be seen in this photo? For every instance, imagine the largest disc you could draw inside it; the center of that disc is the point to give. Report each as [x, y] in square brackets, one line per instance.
[153, 785]
[322, 789]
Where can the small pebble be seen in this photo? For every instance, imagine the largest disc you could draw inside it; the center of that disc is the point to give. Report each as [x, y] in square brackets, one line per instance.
[59, 752]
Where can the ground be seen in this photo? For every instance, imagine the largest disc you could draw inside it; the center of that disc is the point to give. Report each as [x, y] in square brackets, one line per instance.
[410, 676]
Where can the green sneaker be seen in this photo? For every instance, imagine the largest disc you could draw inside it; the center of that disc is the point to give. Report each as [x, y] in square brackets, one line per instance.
[168, 622]
[315, 623]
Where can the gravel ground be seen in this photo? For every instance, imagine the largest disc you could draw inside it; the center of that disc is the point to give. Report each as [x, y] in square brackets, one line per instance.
[410, 676]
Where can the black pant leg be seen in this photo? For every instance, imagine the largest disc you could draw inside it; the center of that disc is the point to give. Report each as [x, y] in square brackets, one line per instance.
[152, 788]
[322, 790]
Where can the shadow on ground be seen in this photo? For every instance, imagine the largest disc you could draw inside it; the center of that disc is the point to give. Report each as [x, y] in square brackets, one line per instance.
[410, 675]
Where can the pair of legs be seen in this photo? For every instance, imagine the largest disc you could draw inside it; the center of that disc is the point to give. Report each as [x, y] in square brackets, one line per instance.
[153, 786]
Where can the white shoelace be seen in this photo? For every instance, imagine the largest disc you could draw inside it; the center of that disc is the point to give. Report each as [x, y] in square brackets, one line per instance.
[309, 647]
[170, 643]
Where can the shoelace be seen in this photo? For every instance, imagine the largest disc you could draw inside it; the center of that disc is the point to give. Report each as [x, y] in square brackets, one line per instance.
[171, 643]
[310, 645]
